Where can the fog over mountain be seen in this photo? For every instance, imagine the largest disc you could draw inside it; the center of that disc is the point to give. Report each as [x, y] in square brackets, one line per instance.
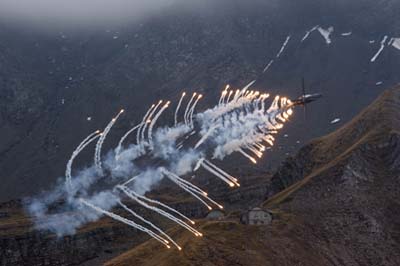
[90, 14]
[76, 12]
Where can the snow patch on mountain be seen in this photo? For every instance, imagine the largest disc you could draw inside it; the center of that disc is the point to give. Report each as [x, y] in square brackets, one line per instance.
[326, 33]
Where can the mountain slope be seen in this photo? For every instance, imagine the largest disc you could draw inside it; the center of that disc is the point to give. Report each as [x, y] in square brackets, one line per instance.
[350, 189]
[227, 243]
[371, 133]
[337, 203]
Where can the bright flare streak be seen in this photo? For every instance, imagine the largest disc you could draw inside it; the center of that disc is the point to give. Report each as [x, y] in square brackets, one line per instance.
[178, 107]
[246, 88]
[269, 141]
[248, 156]
[161, 212]
[129, 180]
[190, 188]
[150, 133]
[190, 191]
[256, 152]
[231, 178]
[229, 96]
[191, 111]
[181, 180]
[126, 221]
[148, 120]
[209, 132]
[289, 111]
[75, 153]
[150, 224]
[270, 137]
[119, 147]
[185, 115]
[214, 172]
[86, 139]
[285, 115]
[236, 94]
[99, 144]
[259, 146]
[144, 120]
[221, 99]
[279, 116]
[162, 205]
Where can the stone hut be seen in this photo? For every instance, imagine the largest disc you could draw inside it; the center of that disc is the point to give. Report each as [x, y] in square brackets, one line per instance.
[215, 215]
[257, 216]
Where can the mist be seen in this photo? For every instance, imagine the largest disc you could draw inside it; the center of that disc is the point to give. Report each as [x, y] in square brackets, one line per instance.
[73, 13]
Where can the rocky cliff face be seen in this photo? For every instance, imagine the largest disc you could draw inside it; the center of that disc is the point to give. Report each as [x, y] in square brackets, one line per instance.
[369, 140]
[50, 83]
[349, 197]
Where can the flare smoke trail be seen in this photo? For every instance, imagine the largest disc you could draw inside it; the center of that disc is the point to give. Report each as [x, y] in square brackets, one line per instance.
[239, 122]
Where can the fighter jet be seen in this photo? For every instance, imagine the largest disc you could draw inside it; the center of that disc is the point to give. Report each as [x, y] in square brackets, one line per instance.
[306, 98]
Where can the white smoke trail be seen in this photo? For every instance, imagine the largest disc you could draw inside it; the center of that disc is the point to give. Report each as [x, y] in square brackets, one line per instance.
[144, 121]
[97, 155]
[164, 206]
[149, 223]
[119, 147]
[189, 186]
[223, 93]
[246, 88]
[86, 139]
[226, 180]
[193, 190]
[248, 156]
[76, 152]
[160, 211]
[189, 190]
[126, 221]
[148, 120]
[191, 111]
[231, 178]
[187, 108]
[177, 108]
[153, 122]
[229, 96]
[186, 183]
[256, 152]
[209, 132]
